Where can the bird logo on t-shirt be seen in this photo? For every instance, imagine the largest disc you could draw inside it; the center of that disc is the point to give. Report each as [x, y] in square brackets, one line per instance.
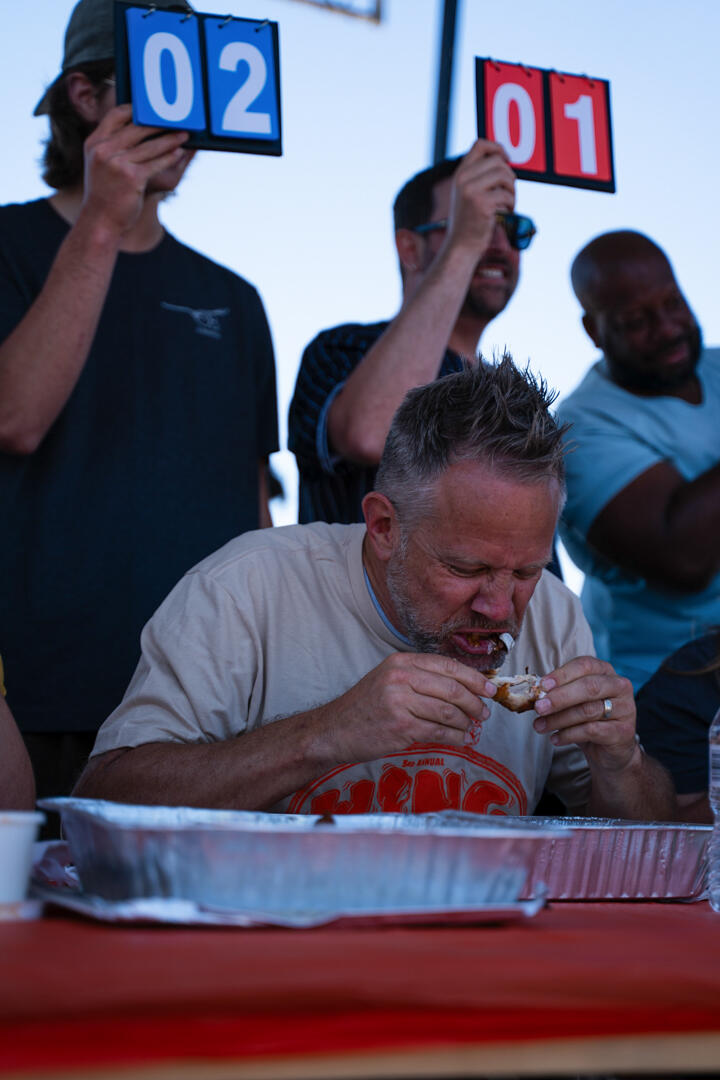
[206, 320]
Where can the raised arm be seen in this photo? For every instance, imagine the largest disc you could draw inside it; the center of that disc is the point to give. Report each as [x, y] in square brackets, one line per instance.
[410, 351]
[43, 357]
[408, 698]
[664, 528]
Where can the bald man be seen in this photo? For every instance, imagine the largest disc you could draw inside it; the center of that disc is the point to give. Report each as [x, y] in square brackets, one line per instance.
[643, 513]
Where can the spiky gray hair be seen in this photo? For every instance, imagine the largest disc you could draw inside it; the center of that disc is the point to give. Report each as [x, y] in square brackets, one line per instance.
[492, 413]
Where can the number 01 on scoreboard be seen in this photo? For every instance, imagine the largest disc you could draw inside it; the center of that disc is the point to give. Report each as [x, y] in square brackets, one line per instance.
[215, 76]
[554, 127]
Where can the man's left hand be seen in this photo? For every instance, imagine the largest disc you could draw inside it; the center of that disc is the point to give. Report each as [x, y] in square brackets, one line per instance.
[588, 703]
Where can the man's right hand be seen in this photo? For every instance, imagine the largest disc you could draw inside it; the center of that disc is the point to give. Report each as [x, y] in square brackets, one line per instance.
[120, 161]
[408, 698]
[482, 185]
[41, 360]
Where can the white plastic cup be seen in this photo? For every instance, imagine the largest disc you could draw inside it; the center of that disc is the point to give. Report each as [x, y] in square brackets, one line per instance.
[18, 829]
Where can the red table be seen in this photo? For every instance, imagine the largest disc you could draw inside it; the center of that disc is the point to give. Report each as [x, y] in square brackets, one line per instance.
[580, 988]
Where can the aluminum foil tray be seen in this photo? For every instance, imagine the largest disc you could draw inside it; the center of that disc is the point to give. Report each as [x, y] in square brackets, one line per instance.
[189, 913]
[608, 859]
[276, 863]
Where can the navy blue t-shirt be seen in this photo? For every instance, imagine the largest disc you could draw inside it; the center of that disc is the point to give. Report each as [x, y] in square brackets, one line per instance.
[675, 708]
[151, 465]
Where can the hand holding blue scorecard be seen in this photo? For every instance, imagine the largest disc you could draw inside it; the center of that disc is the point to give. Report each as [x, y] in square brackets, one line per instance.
[215, 76]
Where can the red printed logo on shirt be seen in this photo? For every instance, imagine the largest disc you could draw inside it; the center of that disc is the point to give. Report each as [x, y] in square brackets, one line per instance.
[421, 779]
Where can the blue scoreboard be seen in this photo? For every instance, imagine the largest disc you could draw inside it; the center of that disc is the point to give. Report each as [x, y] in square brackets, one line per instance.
[215, 76]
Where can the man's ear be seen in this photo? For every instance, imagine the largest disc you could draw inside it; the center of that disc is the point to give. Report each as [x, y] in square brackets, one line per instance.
[83, 97]
[407, 244]
[382, 525]
[588, 322]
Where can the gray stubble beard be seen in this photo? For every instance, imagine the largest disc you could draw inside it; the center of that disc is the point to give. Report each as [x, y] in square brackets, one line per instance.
[425, 639]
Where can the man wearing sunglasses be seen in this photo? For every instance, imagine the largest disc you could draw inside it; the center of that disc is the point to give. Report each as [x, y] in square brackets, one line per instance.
[458, 242]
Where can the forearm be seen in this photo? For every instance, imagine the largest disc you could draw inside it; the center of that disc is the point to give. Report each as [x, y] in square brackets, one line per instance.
[41, 360]
[664, 528]
[409, 698]
[408, 354]
[641, 791]
[17, 784]
[695, 808]
[253, 771]
[692, 526]
[264, 516]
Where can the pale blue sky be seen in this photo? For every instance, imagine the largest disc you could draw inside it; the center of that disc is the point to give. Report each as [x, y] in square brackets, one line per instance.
[312, 230]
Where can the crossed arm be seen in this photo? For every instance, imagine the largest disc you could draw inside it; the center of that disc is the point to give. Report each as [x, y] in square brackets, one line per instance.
[664, 528]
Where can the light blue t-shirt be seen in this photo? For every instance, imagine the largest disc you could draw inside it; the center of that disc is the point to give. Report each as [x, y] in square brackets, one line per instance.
[615, 437]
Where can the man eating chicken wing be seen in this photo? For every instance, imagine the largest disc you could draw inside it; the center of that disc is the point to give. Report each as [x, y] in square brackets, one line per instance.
[345, 668]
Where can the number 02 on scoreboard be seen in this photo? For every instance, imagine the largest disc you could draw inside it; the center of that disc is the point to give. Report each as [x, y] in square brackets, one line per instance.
[215, 76]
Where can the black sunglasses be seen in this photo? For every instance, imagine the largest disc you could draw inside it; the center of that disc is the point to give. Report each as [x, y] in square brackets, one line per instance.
[520, 229]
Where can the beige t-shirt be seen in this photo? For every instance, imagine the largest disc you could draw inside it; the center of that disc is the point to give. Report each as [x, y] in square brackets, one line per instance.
[280, 621]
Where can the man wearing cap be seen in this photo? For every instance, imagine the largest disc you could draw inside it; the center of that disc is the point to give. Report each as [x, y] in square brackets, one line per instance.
[458, 243]
[137, 405]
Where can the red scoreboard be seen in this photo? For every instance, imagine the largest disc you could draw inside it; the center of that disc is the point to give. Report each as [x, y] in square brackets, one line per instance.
[554, 127]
